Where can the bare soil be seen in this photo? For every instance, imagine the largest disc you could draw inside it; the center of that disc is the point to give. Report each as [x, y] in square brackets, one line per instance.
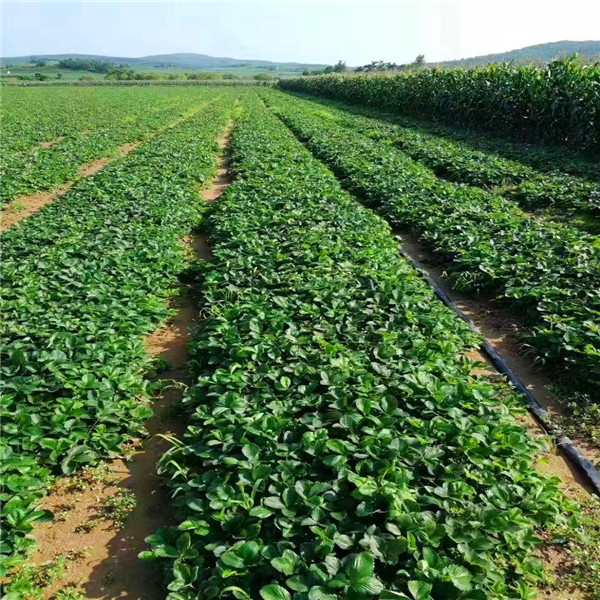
[104, 557]
[224, 175]
[51, 143]
[93, 167]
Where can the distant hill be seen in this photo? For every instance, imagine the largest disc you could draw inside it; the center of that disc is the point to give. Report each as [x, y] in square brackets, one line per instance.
[200, 62]
[538, 53]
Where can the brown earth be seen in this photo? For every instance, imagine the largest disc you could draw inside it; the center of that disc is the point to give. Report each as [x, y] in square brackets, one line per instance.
[107, 564]
[93, 167]
[224, 175]
[51, 143]
[103, 553]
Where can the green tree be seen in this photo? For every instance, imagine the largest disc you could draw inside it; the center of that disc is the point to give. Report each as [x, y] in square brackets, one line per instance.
[121, 73]
[340, 67]
[419, 61]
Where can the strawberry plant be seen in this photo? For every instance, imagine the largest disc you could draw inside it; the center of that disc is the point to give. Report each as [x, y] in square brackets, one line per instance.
[548, 271]
[568, 197]
[82, 125]
[541, 157]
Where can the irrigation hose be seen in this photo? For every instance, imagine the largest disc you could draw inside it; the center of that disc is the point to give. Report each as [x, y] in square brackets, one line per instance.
[563, 443]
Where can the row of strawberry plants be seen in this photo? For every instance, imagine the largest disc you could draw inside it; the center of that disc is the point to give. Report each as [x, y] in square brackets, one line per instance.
[83, 281]
[557, 102]
[338, 446]
[572, 196]
[96, 131]
[548, 270]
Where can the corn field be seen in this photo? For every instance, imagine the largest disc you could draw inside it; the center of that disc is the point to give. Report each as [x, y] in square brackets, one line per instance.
[559, 102]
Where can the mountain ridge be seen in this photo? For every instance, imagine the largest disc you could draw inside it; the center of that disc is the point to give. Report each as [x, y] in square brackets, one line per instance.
[182, 60]
[545, 52]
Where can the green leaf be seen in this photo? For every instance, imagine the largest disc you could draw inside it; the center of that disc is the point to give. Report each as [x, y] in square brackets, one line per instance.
[274, 502]
[391, 595]
[370, 585]
[420, 590]
[321, 593]
[343, 541]
[297, 583]
[286, 563]
[459, 576]
[260, 512]
[199, 527]
[248, 551]
[166, 551]
[41, 516]
[251, 451]
[237, 592]
[274, 592]
[359, 566]
[76, 456]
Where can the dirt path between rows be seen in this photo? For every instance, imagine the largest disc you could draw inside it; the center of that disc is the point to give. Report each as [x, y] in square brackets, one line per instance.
[102, 553]
[500, 327]
[21, 208]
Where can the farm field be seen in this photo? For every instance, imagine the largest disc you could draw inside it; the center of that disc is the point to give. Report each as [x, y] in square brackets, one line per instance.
[321, 317]
[544, 186]
[74, 127]
[547, 271]
[341, 437]
[84, 280]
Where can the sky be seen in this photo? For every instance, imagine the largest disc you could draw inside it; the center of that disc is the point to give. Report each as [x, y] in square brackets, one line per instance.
[308, 32]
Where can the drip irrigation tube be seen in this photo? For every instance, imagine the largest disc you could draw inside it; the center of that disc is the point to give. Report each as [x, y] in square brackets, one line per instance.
[564, 443]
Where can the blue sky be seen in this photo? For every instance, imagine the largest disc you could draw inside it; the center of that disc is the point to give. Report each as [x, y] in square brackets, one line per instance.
[318, 32]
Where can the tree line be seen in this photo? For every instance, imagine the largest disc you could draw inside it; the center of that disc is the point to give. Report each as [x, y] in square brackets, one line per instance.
[376, 65]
